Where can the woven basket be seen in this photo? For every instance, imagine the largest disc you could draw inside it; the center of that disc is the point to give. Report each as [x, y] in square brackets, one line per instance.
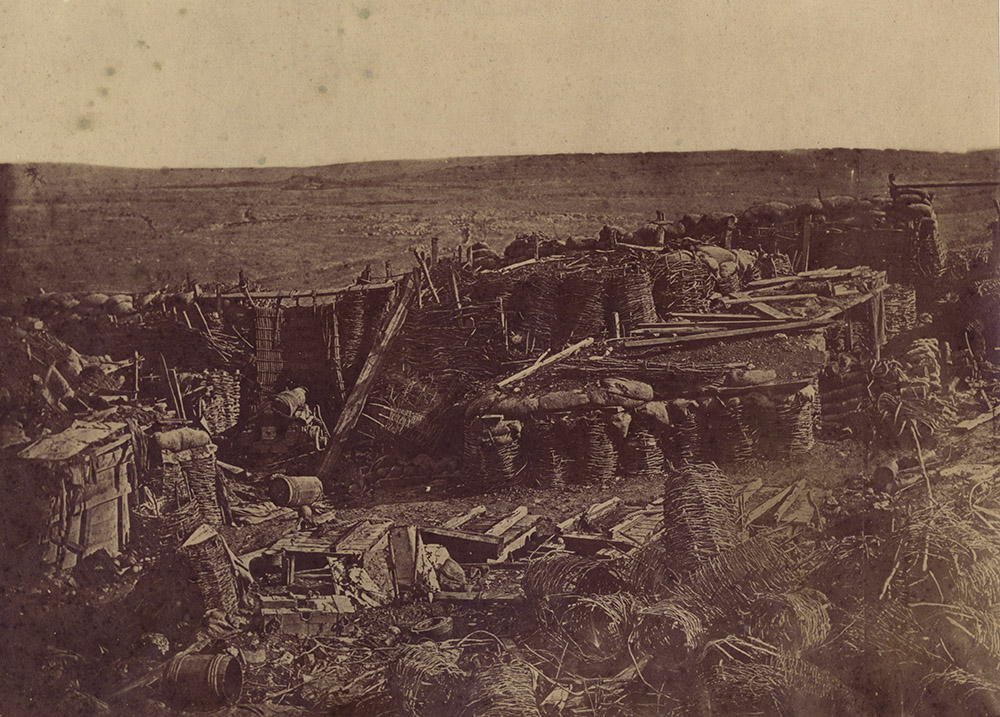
[214, 574]
[202, 476]
[502, 690]
[551, 582]
[668, 632]
[642, 456]
[426, 680]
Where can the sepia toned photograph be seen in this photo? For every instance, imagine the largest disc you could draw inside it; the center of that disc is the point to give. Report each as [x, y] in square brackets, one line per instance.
[467, 358]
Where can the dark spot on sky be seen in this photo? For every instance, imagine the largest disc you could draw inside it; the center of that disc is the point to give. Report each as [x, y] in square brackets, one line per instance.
[182, 11]
[102, 91]
[142, 43]
[157, 65]
[262, 161]
[109, 71]
[340, 31]
[364, 13]
[84, 123]
[368, 74]
[90, 103]
[321, 89]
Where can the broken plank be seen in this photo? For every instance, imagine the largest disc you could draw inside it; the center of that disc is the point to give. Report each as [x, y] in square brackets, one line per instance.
[547, 362]
[518, 536]
[972, 423]
[768, 504]
[732, 333]
[366, 377]
[459, 520]
[501, 527]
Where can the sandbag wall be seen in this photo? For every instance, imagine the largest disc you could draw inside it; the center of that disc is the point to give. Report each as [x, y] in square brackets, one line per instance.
[617, 428]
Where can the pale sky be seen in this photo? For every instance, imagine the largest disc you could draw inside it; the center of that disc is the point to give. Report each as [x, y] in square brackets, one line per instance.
[217, 83]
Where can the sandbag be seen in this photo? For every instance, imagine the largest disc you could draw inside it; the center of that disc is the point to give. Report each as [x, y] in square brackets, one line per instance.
[807, 208]
[181, 439]
[717, 252]
[619, 422]
[714, 223]
[769, 212]
[751, 377]
[95, 300]
[708, 261]
[629, 387]
[563, 400]
[839, 204]
[655, 411]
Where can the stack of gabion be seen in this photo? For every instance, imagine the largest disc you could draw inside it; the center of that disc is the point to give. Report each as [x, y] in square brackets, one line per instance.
[581, 305]
[547, 448]
[601, 458]
[900, 308]
[633, 295]
[492, 450]
[267, 356]
[699, 515]
[221, 408]
[501, 690]
[681, 283]
[642, 456]
[426, 680]
[797, 423]
[202, 476]
[214, 573]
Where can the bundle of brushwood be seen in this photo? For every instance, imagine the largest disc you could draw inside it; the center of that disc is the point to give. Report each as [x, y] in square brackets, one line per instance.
[699, 516]
[552, 581]
[213, 568]
[492, 451]
[900, 308]
[681, 283]
[425, 679]
[582, 310]
[504, 689]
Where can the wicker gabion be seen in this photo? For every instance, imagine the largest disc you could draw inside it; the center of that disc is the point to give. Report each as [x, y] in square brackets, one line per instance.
[683, 439]
[551, 582]
[538, 296]
[668, 632]
[699, 515]
[900, 308]
[221, 406]
[792, 621]
[492, 451]
[426, 680]
[979, 585]
[633, 295]
[581, 305]
[202, 476]
[597, 628]
[351, 329]
[681, 283]
[162, 534]
[601, 459]
[726, 432]
[774, 265]
[502, 690]
[214, 573]
[642, 456]
[549, 459]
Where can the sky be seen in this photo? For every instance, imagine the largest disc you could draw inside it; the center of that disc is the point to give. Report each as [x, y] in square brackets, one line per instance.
[221, 83]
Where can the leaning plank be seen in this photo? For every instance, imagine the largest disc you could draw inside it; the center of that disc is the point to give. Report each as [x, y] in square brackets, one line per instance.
[568, 351]
[366, 377]
[501, 527]
[459, 520]
[732, 333]
[966, 426]
[769, 504]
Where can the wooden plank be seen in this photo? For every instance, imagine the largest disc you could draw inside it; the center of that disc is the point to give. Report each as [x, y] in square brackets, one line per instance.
[806, 241]
[770, 311]
[307, 294]
[366, 378]
[588, 544]
[478, 539]
[501, 527]
[771, 298]
[972, 423]
[427, 275]
[769, 504]
[705, 317]
[599, 510]
[459, 520]
[732, 333]
[790, 500]
[481, 596]
[569, 350]
[518, 536]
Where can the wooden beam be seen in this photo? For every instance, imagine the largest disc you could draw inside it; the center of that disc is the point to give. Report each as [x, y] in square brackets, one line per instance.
[355, 403]
[251, 295]
[769, 297]
[501, 527]
[459, 520]
[763, 308]
[966, 426]
[732, 333]
[806, 240]
[769, 504]
[568, 351]
[427, 274]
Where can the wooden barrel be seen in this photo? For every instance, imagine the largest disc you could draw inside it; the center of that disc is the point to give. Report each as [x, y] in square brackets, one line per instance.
[295, 490]
[209, 680]
[288, 402]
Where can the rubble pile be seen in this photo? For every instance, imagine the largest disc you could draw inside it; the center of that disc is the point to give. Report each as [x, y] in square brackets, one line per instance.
[721, 462]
